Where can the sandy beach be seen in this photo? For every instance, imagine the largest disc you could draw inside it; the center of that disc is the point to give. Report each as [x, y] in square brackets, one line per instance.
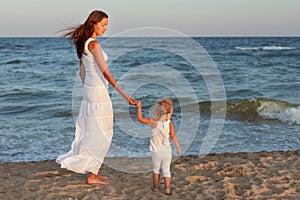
[262, 175]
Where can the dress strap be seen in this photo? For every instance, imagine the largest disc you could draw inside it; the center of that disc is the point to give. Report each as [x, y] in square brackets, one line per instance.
[86, 49]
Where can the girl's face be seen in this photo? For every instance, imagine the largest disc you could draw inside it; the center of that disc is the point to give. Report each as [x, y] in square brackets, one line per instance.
[169, 115]
[101, 27]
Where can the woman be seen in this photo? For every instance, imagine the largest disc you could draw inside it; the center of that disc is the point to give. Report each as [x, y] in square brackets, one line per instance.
[94, 123]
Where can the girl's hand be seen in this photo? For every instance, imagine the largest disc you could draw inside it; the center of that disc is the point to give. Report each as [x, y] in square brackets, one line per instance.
[179, 151]
[139, 104]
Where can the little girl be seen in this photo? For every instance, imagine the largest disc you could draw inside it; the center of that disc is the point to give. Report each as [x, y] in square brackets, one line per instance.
[162, 129]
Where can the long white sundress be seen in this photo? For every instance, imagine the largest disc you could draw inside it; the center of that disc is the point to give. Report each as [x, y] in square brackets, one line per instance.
[94, 123]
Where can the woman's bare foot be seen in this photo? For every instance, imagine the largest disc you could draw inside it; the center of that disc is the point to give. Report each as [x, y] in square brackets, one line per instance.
[104, 177]
[97, 179]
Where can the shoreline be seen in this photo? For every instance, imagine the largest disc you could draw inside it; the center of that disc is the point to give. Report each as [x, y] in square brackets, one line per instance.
[257, 175]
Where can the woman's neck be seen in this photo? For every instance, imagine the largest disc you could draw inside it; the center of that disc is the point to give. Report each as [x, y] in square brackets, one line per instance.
[94, 35]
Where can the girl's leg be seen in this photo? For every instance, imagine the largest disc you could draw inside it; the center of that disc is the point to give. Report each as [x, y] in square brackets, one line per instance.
[167, 181]
[96, 179]
[156, 161]
[155, 181]
[166, 165]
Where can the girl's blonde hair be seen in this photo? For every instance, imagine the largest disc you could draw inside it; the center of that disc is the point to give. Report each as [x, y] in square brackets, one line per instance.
[162, 106]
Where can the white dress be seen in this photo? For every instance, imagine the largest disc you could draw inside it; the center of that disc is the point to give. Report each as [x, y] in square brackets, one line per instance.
[94, 123]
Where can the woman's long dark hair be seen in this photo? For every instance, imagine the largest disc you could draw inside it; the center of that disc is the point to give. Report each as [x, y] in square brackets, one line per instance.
[80, 34]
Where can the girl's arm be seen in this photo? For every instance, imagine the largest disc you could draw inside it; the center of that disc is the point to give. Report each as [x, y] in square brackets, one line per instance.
[174, 138]
[95, 48]
[82, 72]
[140, 117]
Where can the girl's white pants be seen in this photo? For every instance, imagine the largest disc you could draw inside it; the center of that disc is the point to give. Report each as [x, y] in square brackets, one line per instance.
[161, 160]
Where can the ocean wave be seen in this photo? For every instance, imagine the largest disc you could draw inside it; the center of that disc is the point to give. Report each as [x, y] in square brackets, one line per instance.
[14, 94]
[260, 109]
[290, 116]
[265, 48]
[15, 61]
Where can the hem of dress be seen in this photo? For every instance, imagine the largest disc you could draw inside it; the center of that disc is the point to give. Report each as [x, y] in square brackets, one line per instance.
[64, 166]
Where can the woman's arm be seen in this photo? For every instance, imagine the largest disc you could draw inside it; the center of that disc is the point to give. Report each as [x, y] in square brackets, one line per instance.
[95, 48]
[174, 138]
[140, 117]
[82, 72]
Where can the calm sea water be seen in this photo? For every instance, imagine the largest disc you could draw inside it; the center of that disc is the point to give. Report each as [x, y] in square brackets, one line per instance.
[40, 93]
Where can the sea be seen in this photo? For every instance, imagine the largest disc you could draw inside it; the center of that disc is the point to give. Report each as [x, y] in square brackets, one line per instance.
[230, 94]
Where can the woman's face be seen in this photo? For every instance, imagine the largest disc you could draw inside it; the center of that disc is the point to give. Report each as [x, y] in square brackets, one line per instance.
[101, 27]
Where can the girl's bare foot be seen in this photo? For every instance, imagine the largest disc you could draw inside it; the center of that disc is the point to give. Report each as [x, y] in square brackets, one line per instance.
[97, 179]
[168, 191]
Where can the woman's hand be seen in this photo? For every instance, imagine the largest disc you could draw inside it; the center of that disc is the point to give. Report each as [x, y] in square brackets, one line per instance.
[131, 101]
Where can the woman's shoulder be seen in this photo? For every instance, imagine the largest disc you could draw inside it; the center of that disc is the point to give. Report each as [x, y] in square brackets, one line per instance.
[93, 44]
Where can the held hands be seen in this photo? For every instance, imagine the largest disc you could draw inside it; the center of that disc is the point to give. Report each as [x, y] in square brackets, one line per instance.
[132, 102]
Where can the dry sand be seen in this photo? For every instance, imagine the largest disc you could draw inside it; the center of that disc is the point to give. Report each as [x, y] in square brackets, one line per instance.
[262, 175]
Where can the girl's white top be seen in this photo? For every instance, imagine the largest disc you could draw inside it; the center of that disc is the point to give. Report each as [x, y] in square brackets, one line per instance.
[160, 136]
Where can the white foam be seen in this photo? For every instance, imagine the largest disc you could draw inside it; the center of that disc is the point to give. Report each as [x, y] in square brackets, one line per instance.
[290, 116]
[247, 48]
[266, 48]
[270, 109]
[277, 48]
[279, 111]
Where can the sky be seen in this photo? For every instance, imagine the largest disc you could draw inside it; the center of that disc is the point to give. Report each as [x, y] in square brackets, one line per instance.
[45, 18]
